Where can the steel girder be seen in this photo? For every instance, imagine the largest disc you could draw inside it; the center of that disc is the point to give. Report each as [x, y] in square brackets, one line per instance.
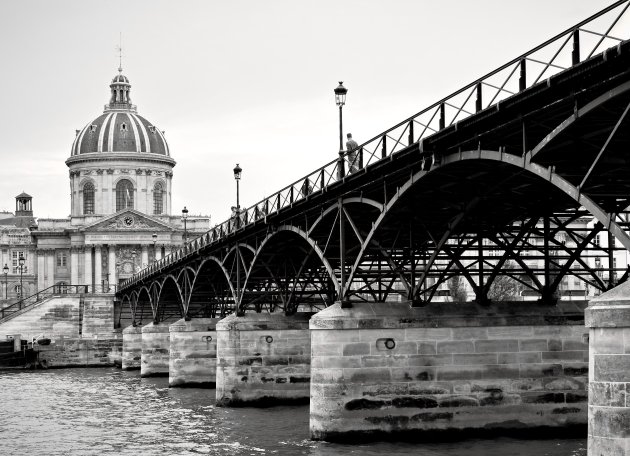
[483, 199]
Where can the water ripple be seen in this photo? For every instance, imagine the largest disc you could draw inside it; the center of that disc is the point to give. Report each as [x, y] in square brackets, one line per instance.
[77, 412]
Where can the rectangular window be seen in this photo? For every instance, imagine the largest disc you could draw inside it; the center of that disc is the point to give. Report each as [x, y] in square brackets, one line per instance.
[15, 261]
[62, 259]
[596, 240]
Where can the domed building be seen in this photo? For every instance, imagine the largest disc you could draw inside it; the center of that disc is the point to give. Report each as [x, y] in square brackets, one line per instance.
[121, 217]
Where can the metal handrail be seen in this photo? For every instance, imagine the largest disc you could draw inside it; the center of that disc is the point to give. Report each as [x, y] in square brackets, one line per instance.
[512, 79]
[54, 290]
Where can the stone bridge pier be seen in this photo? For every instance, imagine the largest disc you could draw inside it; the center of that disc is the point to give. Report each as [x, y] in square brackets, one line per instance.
[608, 320]
[263, 359]
[193, 353]
[155, 350]
[386, 370]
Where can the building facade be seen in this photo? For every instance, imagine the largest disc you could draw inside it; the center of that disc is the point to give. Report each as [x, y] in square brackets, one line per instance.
[121, 217]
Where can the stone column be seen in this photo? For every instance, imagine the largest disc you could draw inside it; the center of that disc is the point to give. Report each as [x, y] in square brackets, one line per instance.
[608, 317]
[158, 252]
[41, 270]
[390, 371]
[74, 266]
[144, 256]
[111, 264]
[87, 261]
[263, 359]
[51, 261]
[193, 353]
[98, 269]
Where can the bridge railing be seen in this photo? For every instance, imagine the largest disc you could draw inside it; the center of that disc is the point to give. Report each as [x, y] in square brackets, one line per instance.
[593, 35]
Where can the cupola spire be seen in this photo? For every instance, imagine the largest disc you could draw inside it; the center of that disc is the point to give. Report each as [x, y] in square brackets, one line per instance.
[120, 88]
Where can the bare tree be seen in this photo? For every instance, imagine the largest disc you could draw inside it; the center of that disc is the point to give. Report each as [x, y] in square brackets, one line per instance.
[504, 287]
[457, 288]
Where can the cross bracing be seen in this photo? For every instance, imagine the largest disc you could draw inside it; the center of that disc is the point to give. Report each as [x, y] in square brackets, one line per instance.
[523, 184]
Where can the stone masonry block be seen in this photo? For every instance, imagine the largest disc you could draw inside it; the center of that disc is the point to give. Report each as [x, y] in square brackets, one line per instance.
[365, 375]
[510, 332]
[531, 345]
[456, 347]
[562, 355]
[413, 374]
[425, 334]
[334, 337]
[470, 333]
[356, 348]
[475, 358]
[610, 422]
[497, 345]
[607, 340]
[611, 368]
[540, 370]
[336, 362]
[427, 348]
[520, 358]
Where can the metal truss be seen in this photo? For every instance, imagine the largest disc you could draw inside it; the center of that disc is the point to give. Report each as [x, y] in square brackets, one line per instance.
[516, 178]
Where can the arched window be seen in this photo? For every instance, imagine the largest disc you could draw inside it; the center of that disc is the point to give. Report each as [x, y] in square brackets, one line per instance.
[158, 199]
[88, 198]
[124, 195]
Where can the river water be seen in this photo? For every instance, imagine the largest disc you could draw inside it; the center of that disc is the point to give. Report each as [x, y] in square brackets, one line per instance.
[77, 412]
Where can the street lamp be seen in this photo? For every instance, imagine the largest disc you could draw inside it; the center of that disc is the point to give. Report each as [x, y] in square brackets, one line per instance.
[237, 177]
[5, 269]
[21, 261]
[184, 218]
[154, 236]
[340, 100]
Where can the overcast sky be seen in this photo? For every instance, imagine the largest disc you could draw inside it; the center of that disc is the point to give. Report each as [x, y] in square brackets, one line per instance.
[241, 81]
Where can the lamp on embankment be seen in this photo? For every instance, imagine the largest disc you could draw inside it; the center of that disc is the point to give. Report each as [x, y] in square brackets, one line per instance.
[5, 269]
[184, 218]
[21, 261]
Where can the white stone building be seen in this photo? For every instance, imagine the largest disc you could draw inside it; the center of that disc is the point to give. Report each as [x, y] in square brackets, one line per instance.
[121, 218]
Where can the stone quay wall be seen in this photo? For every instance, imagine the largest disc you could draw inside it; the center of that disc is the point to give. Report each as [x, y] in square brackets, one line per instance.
[263, 359]
[385, 370]
[101, 351]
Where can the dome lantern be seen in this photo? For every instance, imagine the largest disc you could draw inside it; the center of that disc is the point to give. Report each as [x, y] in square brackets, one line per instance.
[120, 99]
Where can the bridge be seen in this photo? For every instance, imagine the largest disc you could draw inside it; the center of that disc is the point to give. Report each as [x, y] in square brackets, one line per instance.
[520, 177]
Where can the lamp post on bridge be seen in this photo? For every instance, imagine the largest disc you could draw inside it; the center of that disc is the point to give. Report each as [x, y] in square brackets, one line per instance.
[237, 177]
[184, 218]
[154, 236]
[340, 100]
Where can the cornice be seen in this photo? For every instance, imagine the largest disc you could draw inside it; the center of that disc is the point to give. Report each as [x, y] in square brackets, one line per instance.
[99, 157]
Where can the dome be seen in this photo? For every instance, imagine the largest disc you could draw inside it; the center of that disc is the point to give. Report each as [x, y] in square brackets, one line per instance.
[120, 131]
[120, 128]
[120, 78]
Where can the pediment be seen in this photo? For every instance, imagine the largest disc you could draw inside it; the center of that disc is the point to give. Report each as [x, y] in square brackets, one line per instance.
[128, 220]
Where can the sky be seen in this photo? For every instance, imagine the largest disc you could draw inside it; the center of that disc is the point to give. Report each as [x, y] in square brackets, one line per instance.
[241, 81]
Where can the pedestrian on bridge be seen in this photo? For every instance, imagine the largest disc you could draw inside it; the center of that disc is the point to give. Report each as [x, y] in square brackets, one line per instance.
[353, 155]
